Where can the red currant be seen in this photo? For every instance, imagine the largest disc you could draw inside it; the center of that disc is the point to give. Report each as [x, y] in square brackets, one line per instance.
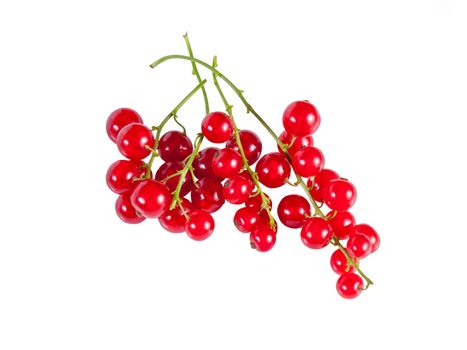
[202, 162]
[293, 210]
[297, 144]
[262, 238]
[339, 263]
[207, 194]
[174, 220]
[316, 233]
[237, 189]
[256, 202]
[358, 245]
[121, 173]
[339, 194]
[273, 170]
[301, 118]
[133, 141]
[266, 221]
[120, 118]
[199, 225]
[368, 231]
[169, 169]
[342, 223]
[320, 182]
[151, 198]
[308, 161]
[349, 285]
[217, 127]
[126, 211]
[246, 219]
[174, 146]
[226, 163]
[251, 145]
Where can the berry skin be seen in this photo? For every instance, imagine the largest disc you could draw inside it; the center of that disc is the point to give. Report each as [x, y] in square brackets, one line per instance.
[342, 223]
[299, 142]
[255, 201]
[321, 180]
[370, 232]
[262, 238]
[208, 195]
[358, 245]
[217, 127]
[120, 175]
[349, 285]
[339, 263]
[168, 169]
[339, 194]
[273, 170]
[308, 161]
[292, 210]
[301, 118]
[246, 219]
[174, 220]
[237, 189]
[251, 144]
[133, 140]
[200, 225]
[226, 163]
[151, 198]
[126, 211]
[202, 162]
[316, 233]
[120, 118]
[174, 146]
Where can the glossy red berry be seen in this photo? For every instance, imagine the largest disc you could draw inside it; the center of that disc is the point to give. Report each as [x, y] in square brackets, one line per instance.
[370, 232]
[151, 198]
[174, 220]
[320, 182]
[126, 211]
[316, 233]
[301, 118]
[293, 210]
[246, 219]
[226, 163]
[168, 169]
[342, 223]
[273, 170]
[217, 127]
[339, 194]
[120, 118]
[174, 146]
[255, 201]
[297, 144]
[199, 225]
[121, 173]
[262, 238]
[265, 220]
[133, 141]
[237, 189]
[339, 263]
[308, 161]
[202, 162]
[208, 195]
[251, 144]
[358, 245]
[349, 285]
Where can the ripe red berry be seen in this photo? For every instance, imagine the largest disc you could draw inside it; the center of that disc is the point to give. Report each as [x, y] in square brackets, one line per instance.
[349, 285]
[202, 162]
[297, 144]
[174, 146]
[339, 263]
[316, 233]
[301, 118]
[133, 141]
[217, 127]
[339, 194]
[262, 238]
[199, 225]
[151, 198]
[237, 189]
[207, 194]
[368, 231]
[265, 220]
[251, 144]
[320, 182]
[293, 210]
[358, 245]
[120, 118]
[246, 219]
[308, 161]
[121, 173]
[255, 201]
[168, 169]
[174, 220]
[342, 223]
[126, 211]
[273, 170]
[226, 163]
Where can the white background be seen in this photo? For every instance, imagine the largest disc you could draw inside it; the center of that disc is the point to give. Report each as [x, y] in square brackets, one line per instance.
[389, 78]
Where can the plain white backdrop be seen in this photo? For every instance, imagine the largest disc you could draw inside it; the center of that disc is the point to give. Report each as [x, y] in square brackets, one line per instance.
[389, 78]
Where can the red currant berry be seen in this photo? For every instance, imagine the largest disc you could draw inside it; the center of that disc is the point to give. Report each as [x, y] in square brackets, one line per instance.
[151, 198]
[120, 118]
[273, 170]
[174, 146]
[237, 189]
[358, 245]
[246, 219]
[339, 263]
[251, 145]
[308, 161]
[126, 211]
[207, 194]
[226, 163]
[297, 144]
[349, 285]
[121, 173]
[320, 182]
[293, 210]
[368, 231]
[217, 127]
[316, 233]
[342, 223]
[339, 194]
[301, 118]
[262, 238]
[265, 220]
[169, 169]
[199, 225]
[174, 220]
[256, 202]
[133, 141]
[202, 162]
